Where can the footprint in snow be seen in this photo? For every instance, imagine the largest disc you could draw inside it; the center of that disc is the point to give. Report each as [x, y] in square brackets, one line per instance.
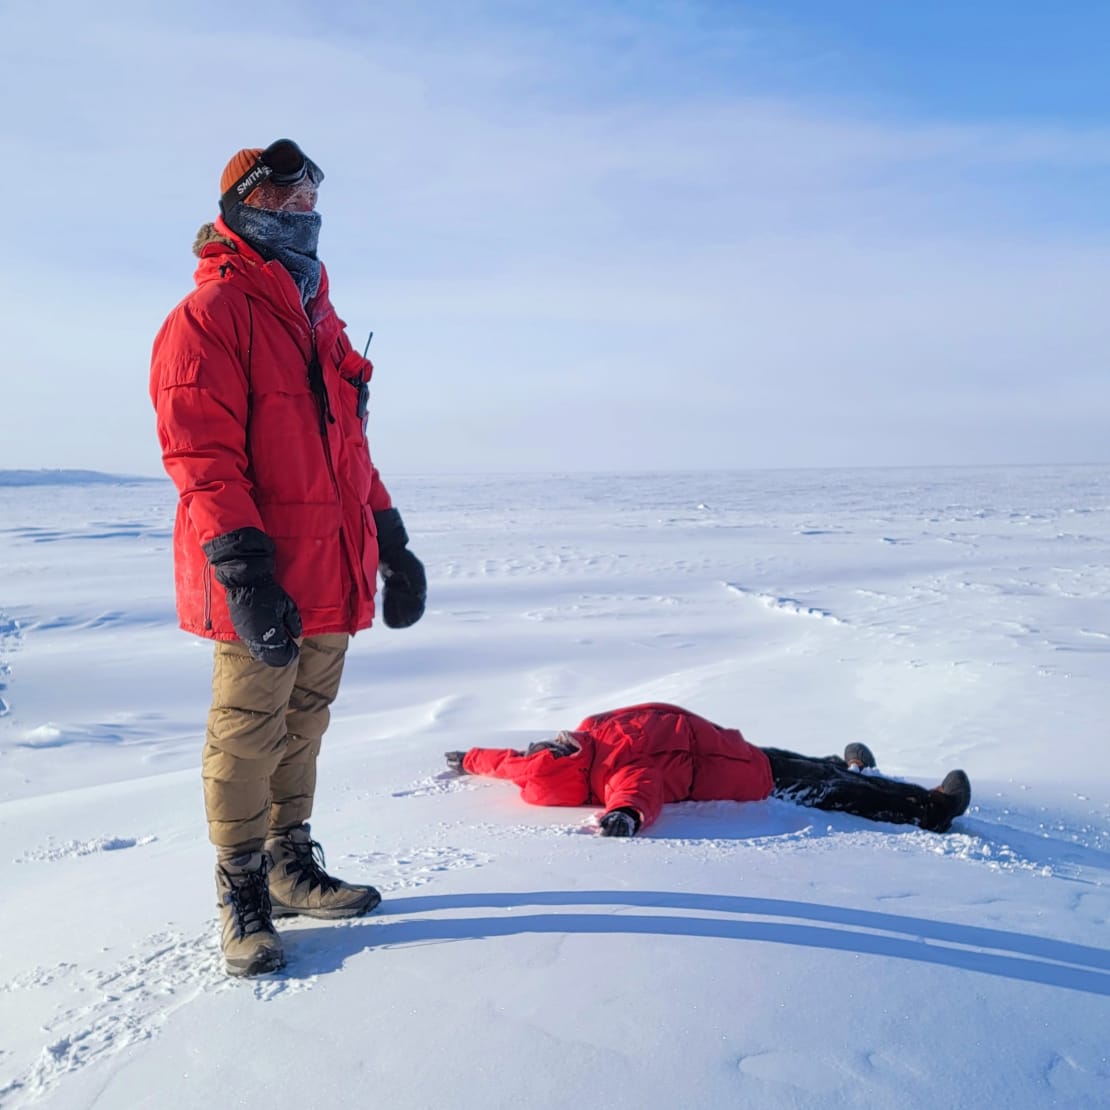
[72, 849]
[446, 782]
[405, 869]
[129, 1002]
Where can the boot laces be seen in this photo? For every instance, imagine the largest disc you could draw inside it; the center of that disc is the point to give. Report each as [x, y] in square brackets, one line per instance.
[249, 896]
[308, 863]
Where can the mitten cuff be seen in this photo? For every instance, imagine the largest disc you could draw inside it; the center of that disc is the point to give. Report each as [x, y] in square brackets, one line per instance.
[391, 531]
[637, 818]
[244, 557]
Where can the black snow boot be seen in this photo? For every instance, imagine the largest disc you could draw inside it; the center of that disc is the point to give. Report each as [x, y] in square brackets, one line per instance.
[947, 802]
[859, 754]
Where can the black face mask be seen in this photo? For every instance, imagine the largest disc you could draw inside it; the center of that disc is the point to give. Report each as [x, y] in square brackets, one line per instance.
[286, 237]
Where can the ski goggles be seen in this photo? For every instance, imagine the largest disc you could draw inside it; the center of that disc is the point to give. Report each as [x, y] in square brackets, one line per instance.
[281, 163]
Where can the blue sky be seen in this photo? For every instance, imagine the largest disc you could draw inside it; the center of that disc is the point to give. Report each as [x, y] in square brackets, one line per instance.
[589, 236]
[994, 59]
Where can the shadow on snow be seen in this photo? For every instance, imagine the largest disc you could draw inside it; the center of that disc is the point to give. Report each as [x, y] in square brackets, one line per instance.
[1018, 956]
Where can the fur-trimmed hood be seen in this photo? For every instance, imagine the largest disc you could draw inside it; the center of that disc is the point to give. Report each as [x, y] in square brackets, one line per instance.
[209, 233]
[225, 256]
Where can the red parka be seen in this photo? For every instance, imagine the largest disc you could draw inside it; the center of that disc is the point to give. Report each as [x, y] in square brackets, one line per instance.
[642, 757]
[250, 444]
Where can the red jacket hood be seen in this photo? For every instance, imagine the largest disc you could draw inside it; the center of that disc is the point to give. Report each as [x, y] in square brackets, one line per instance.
[219, 250]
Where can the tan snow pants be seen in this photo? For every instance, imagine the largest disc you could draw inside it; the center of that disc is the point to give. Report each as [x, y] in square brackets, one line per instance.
[264, 733]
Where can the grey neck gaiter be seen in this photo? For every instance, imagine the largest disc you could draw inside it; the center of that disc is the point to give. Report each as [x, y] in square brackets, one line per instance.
[286, 237]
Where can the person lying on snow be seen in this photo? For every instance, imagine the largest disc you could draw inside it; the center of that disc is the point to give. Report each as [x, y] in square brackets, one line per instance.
[632, 761]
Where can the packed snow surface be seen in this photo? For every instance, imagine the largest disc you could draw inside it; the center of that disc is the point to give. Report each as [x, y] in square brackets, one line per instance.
[759, 955]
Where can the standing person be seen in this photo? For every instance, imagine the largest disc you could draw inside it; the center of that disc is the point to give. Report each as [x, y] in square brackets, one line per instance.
[632, 761]
[282, 527]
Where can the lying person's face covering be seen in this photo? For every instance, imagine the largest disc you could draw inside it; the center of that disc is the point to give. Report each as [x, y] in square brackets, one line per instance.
[563, 744]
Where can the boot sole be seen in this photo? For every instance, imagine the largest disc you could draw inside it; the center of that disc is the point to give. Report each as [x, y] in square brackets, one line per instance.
[260, 965]
[359, 909]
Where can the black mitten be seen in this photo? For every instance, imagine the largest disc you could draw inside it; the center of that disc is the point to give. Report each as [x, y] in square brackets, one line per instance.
[265, 617]
[624, 821]
[455, 761]
[404, 583]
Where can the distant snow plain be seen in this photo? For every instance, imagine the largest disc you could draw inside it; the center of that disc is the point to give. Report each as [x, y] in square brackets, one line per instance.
[759, 955]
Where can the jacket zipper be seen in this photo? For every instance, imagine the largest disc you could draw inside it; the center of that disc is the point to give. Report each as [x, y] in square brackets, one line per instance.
[325, 409]
[325, 412]
[207, 596]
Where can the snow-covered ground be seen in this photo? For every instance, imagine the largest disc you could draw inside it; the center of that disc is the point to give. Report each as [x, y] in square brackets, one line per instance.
[761, 955]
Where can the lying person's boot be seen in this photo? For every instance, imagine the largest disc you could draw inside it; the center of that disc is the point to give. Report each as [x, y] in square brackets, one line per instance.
[247, 938]
[859, 756]
[300, 885]
[947, 802]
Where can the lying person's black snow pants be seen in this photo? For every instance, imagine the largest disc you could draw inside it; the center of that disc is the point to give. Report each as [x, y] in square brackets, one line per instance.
[828, 784]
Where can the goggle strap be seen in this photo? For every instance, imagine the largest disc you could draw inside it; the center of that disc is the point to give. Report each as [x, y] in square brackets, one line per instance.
[246, 184]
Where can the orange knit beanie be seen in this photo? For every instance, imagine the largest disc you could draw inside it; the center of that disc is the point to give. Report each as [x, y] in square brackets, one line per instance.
[239, 164]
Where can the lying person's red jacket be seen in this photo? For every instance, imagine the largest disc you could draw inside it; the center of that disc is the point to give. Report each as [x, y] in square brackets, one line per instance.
[640, 758]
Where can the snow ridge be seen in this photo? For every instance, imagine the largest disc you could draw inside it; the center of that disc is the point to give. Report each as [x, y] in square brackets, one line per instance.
[11, 635]
[784, 604]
